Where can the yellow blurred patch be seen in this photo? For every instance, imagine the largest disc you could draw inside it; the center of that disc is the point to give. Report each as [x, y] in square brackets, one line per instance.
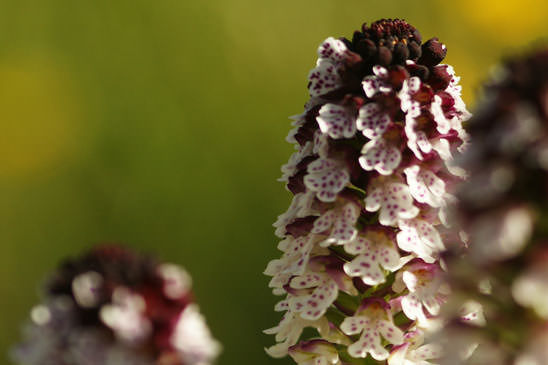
[38, 118]
[508, 21]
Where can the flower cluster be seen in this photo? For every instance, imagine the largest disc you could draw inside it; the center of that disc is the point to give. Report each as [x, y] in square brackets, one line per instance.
[503, 209]
[372, 177]
[113, 306]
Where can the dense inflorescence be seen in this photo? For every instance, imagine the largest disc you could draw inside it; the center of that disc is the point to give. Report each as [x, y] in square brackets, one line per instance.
[372, 177]
[113, 306]
[503, 209]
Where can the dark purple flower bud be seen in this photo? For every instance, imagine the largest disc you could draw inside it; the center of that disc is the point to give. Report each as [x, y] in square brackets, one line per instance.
[433, 52]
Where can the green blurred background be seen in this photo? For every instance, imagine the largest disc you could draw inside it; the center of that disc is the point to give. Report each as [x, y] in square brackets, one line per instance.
[161, 124]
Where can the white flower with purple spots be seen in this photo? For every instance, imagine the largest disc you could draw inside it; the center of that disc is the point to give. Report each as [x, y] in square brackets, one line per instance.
[325, 76]
[417, 141]
[326, 177]
[332, 49]
[421, 238]
[472, 313]
[380, 155]
[414, 352]
[408, 105]
[337, 121]
[321, 290]
[338, 224]
[296, 255]
[425, 289]
[425, 186]
[373, 250]
[372, 120]
[374, 321]
[393, 199]
[315, 352]
[376, 83]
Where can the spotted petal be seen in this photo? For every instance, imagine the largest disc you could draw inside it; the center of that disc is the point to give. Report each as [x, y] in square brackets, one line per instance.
[336, 121]
[394, 201]
[372, 121]
[327, 178]
[333, 49]
[379, 155]
[323, 78]
[425, 186]
[421, 238]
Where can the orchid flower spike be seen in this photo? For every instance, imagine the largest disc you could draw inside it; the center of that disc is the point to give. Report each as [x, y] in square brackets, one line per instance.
[372, 178]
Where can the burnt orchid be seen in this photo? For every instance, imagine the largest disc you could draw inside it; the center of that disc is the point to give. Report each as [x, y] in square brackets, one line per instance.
[113, 306]
[372, 177]
[504, 211]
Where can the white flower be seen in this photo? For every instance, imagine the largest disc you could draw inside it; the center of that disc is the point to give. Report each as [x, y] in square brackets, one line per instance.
[472, 313]
[315, 352]
[376, 83]
[380, 155]
[372, 121]
[374, 250]
[325, 76]
[293, 262]
[409, 88]
[421, 238]
[327, 177]
[337, 121]
[425, 186]
[443, 124]
[414, 351]
[332, 49]
[177, 282]
[454, 89]
[289, 330]
[393, 199]
[443, 149]
[417, 141]
[426, 289]
[126, 316]
[86, 288]
[373, 320]
[192, 338]
[312, 306]
[530, 289]
[338, 224]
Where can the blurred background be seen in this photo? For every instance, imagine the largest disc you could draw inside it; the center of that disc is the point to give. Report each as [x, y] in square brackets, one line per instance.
[161, 124]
